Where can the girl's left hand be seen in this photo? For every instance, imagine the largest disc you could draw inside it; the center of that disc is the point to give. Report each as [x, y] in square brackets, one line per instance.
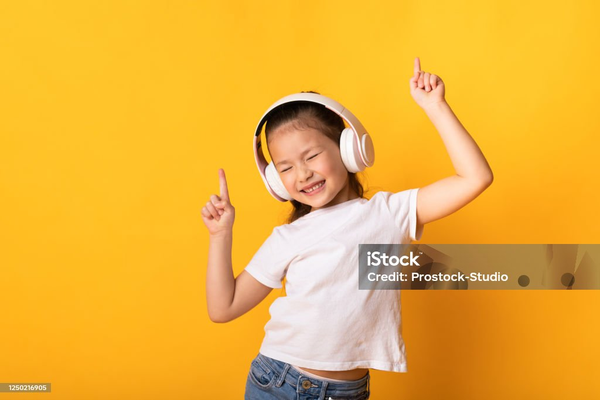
[426, 88]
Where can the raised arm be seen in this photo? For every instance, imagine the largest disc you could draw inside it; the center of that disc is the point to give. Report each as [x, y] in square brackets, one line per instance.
[226, 298]
[473, 173]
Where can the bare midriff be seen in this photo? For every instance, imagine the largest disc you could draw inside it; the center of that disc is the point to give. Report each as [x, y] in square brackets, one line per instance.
[351, 375]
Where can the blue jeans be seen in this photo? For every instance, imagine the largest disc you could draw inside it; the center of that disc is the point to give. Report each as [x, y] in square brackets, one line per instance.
[272, 379]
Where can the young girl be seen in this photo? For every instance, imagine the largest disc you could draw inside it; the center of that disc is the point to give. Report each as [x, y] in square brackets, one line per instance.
[325, 334]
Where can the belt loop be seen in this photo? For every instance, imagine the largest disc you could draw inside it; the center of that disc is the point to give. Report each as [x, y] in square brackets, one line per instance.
[323, 390]
[281, 379]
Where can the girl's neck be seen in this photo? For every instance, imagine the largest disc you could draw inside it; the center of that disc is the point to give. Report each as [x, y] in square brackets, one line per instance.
[344, 195]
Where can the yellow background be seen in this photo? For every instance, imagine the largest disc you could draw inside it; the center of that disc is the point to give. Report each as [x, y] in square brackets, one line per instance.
[116, 115]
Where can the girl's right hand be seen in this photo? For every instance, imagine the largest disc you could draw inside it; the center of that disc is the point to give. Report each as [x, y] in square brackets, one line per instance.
[427, 89]
[218, 214]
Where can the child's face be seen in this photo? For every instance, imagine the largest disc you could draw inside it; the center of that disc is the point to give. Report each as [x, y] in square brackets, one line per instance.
[305, 158]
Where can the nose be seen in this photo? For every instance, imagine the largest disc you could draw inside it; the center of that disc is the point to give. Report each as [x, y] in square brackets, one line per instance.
[304, 174]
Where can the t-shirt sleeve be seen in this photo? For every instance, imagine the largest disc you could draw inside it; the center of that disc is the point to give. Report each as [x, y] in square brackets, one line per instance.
[269, 265]
[403, 207]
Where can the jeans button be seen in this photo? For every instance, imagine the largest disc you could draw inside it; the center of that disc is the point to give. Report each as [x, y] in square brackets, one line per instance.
[306, 384]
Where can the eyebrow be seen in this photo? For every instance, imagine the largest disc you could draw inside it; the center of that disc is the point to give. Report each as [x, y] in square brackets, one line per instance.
[302, 155]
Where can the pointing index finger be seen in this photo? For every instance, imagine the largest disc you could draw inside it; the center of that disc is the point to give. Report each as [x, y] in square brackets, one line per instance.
[417, 65]
[223, 184]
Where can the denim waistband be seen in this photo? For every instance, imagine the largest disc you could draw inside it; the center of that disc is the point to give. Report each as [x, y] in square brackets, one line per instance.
[307, 384]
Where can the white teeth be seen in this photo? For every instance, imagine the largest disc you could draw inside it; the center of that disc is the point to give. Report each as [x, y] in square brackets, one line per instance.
[314, 187]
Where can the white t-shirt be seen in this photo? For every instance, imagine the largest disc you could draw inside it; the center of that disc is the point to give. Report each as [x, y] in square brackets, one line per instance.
[324, 321]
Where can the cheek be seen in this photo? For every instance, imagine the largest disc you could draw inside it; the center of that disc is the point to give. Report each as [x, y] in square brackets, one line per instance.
[332, 168]
[322, 165]
[288, 180]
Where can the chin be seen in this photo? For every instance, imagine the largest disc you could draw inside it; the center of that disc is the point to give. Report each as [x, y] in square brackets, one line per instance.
[320, 203]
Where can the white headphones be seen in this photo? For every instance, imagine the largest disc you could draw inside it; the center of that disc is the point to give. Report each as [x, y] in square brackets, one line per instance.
[356, 146]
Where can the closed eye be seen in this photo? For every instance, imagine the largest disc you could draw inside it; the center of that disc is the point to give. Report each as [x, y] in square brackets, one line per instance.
[310, 158]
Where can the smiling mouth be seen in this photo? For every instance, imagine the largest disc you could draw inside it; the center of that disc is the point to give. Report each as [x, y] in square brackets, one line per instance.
[315, 188]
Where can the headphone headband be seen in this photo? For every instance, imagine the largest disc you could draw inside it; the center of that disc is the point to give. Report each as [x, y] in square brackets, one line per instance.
[360, 136]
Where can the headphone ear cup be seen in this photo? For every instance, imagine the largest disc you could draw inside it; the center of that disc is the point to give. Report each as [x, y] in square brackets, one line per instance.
[275, 182]
[350, 152]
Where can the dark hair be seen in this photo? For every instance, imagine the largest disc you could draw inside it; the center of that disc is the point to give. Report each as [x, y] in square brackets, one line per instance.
[302, 115]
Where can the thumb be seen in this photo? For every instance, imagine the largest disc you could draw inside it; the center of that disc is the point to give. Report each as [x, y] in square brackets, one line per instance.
[225, 204]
